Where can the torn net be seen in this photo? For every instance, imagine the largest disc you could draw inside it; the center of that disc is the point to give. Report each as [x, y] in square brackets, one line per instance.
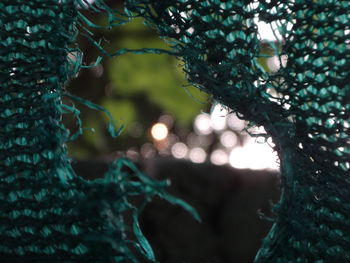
[304, 105]
[47, 213]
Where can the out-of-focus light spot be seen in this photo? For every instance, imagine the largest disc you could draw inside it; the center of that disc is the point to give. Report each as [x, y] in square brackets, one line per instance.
[97, 71]
[167, 120]
[274, 63]
[132, 154]
[239, 158]
[148, 150]
[163, 146]
[197, 155]
[159, 131]
[218, 117]
[254, 156]
[219, 157]
[172, 138]
[194, 140]
[205, 140]
[235, 123]
[202, 124]
[266, 32]
[179, 150]
[228, 139]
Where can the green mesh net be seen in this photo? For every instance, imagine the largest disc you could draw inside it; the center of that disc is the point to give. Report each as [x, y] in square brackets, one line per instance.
[304, 105]
[47, 213]
[50, 215]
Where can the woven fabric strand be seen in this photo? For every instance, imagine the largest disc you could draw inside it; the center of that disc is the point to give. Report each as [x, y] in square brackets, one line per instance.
[47, 214]
[304, 105]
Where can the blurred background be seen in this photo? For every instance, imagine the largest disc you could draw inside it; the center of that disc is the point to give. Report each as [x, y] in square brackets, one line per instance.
[173, 131]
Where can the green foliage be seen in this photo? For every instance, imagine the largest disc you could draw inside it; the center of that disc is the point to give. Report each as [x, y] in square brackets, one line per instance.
[139, 88]
[123, 111]
[159, 79]
[156, 77]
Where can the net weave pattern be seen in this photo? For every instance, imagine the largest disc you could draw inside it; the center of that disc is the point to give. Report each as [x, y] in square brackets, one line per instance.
[304, 105]
[50, 215]
[47, 213]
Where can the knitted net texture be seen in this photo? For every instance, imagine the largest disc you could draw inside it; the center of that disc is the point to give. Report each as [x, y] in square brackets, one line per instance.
[47, 213]
[304, 105]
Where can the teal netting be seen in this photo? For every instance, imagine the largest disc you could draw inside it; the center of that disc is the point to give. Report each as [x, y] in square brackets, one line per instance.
[47, 213]
[304, 105]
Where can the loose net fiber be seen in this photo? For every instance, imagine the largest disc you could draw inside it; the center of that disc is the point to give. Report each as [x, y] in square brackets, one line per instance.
[47, 213]
[304, 105]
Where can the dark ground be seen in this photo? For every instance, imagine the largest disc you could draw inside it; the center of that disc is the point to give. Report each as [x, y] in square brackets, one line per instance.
[227, 200]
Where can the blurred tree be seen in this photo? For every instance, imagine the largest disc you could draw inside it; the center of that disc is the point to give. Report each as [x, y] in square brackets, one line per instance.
[136, 89]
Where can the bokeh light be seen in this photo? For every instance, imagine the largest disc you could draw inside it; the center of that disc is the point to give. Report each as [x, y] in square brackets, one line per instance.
[132, 154]
[254, 156]
[179, 150]
[148, 150]
[168, 120]
[234, 123]
[266, 32]
[274, 63]
[202, 124]
[219, 157]
[197, 155]
[228, 139]
[218, 117]
[159, 131]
